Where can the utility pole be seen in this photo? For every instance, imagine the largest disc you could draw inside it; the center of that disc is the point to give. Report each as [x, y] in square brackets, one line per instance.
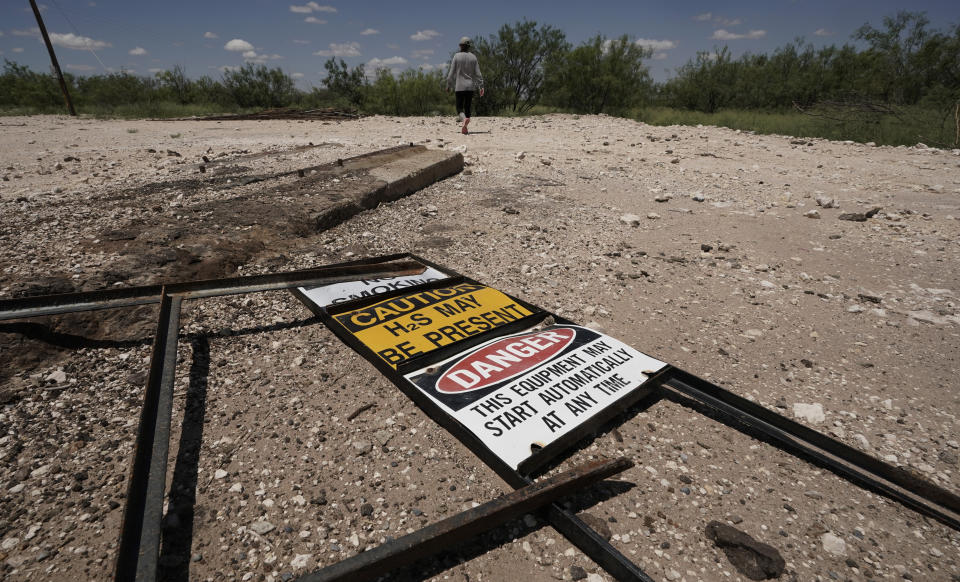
[53, 58]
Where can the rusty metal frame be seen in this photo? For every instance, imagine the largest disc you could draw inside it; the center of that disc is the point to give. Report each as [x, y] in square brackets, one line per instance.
[438, 536]
[140, 537]
[138, 552]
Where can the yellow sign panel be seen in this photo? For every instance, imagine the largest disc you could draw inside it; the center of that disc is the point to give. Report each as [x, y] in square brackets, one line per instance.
[401, 328]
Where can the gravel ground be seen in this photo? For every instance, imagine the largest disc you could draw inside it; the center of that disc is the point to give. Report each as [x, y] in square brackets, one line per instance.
[727, 254]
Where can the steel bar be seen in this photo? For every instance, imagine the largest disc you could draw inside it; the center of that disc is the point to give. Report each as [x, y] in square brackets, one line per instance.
[593, 545]
[125, 297]
[441, 535]
[139, 549]
[912, 491]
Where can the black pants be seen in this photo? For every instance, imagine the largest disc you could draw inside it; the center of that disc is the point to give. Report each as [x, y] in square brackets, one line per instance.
[464, 99]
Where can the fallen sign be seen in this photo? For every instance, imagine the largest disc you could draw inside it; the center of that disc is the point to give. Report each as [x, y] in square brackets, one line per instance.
[547, 383]
[489, 362]
[414, 324]
[522, 393]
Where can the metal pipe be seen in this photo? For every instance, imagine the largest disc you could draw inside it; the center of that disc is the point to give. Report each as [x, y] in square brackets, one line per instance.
[125, 297]
[138, 553]
[438, 536]
[912, 491]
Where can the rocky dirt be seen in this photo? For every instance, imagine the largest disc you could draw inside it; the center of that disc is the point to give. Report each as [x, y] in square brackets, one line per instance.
[817, 278]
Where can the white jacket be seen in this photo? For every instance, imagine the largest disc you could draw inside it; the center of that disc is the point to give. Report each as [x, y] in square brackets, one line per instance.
[464, 73]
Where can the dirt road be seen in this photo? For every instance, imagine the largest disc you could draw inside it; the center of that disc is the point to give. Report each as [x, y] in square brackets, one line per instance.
[738, 257]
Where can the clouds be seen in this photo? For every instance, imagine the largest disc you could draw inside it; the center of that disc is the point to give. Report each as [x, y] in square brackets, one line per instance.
[369, 31]
[137, 51]
[347, 49]
[211, 35]
[72, 41]
[658, 48]
[721, 34]
[422, 35]
[655, 45]
[421, 54]
[248, 52]
[254, 57]
[822, 32]
[311, 7]
[374, 64]
[238, 45]
[717, 19]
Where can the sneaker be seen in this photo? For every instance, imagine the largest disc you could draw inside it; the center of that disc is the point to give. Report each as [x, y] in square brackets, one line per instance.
[461, 117]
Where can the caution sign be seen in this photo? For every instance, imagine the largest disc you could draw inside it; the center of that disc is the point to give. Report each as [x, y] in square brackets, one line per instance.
[521, 392]
[340, 292]
[403, 327]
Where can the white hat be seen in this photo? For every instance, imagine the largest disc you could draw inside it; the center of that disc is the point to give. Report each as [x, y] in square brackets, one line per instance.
[465, 41]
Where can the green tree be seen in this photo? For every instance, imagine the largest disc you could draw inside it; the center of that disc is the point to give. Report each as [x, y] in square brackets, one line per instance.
[21, 87]
[257, 86]
[176, 83]
[513, 62]
[349, 84]
[601, 76]
[892, 52]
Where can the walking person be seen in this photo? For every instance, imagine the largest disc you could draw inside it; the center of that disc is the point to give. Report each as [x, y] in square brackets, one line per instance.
[464, 78]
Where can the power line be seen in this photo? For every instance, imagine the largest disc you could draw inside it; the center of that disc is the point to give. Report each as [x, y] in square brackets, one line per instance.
[77, 32]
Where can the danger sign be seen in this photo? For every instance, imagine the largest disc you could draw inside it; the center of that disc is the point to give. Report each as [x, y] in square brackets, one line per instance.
[400, 328]
[521, 392]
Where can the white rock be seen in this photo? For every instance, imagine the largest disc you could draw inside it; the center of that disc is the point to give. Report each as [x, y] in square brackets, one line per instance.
[825, 202]
[833, 544]
[673, 574]
[653, 216]
[262, 527]
[40, 471]
[300, 561]
[10, 542]
[812, 413]
[219, 474]
[812, 214]
[354, 540]
[299, 500]
[862, 441]
[32, 531]
[236, 488]
[58, 377]
[630, 219]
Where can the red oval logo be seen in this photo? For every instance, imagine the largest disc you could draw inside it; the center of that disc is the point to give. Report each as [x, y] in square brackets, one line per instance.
[503, 360]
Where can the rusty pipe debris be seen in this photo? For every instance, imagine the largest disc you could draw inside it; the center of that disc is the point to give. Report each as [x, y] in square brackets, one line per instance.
[388, 557]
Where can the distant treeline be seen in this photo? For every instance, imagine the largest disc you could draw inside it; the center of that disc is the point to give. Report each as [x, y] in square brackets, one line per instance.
[904, 65]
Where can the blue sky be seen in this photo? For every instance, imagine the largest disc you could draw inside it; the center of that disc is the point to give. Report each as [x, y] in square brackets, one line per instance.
[204, 37]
